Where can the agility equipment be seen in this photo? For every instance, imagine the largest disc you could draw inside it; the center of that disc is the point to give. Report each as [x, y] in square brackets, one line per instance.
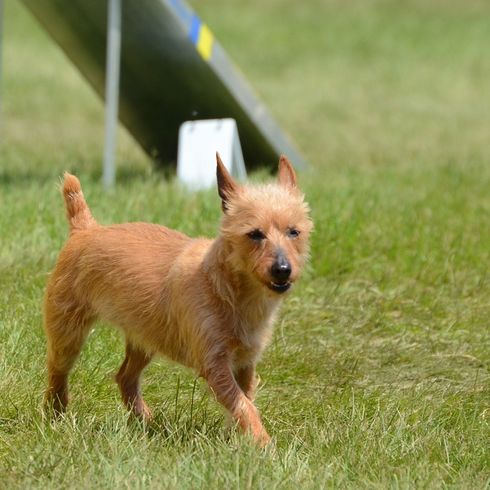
[172, 70]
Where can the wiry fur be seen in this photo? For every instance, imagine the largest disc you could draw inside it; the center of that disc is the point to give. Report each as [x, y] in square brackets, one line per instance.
[204, 303]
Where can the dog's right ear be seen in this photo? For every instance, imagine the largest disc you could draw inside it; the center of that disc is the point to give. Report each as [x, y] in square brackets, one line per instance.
[226, 185]
[286, 174]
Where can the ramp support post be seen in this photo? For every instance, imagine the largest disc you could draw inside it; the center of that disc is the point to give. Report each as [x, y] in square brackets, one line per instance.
[1, 59]
[113, 61]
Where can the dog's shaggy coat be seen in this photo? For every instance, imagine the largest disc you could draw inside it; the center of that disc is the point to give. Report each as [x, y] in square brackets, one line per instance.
[208, 304]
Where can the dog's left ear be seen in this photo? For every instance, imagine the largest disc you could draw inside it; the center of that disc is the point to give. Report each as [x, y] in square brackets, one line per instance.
[226, 185]
[286, 174]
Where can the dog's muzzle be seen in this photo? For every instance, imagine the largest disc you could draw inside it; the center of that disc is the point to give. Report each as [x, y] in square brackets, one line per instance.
[280, 274]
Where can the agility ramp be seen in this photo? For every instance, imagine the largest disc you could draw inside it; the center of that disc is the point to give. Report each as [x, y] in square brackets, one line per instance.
[172, 70]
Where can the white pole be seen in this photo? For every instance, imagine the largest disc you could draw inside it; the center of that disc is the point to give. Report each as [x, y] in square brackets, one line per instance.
[113, 58]
[1, 48]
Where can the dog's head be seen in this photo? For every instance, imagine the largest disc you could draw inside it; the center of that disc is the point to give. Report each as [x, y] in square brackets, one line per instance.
[266, 227]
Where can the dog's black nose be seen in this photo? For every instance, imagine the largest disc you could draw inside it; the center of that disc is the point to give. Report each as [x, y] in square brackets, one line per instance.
[281, 269]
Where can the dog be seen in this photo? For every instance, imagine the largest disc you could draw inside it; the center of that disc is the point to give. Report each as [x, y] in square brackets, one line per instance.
[207, 304]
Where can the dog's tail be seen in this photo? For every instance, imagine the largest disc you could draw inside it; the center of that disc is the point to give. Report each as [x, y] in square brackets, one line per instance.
[77, 211]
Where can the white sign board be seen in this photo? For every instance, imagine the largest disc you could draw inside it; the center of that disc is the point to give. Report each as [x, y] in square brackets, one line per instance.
[198, 143]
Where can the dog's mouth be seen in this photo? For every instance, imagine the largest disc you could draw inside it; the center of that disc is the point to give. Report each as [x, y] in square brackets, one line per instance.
[279, 287]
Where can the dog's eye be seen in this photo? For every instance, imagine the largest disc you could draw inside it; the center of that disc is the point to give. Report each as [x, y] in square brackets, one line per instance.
[256, 235]
[293, 233]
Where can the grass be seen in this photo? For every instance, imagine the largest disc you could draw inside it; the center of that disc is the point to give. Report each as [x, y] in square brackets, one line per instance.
[378, 375]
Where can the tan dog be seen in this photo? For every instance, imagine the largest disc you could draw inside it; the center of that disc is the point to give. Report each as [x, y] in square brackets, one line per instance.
[208, 304]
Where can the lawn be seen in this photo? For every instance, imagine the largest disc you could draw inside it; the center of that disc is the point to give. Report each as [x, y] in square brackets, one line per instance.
[379, 372]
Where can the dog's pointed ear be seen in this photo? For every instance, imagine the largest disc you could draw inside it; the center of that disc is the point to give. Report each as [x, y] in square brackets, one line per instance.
[286, 174]
[226, 185]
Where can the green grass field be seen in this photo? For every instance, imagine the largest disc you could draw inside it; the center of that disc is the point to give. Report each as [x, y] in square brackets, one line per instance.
[378, 375]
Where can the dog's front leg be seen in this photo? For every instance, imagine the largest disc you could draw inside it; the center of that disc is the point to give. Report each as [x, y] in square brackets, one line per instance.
[226, 390]
[247, 380]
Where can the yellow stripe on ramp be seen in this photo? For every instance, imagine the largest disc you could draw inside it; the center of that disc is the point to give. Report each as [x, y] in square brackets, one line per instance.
[205, 42]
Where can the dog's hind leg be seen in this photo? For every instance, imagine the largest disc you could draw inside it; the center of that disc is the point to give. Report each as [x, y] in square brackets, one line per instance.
[66, 332]
[129, 380]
